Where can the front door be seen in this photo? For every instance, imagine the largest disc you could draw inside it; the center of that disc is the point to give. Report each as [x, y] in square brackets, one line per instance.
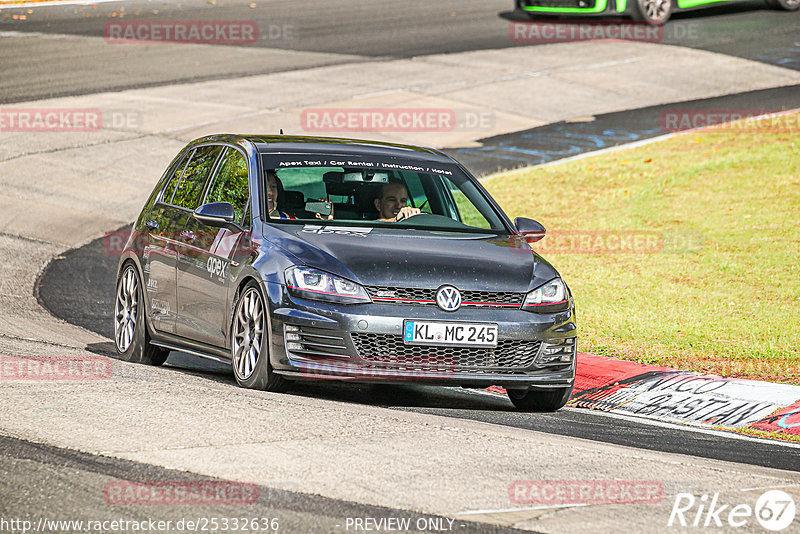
[204, 262]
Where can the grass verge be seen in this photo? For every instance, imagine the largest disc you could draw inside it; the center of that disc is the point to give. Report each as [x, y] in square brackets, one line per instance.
[783, 436]
[681, 253]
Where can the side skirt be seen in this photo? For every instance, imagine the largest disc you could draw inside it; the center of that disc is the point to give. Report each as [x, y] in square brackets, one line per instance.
[197, 349]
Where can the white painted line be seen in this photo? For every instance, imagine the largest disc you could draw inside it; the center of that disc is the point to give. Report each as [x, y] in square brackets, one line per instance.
[762, 488]
[42, 35]
[376, 93]
[529, 509]
[56, 3]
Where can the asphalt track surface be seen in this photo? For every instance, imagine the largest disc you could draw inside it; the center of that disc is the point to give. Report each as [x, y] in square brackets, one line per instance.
[78, 287]
[61, 484]
[342, 31]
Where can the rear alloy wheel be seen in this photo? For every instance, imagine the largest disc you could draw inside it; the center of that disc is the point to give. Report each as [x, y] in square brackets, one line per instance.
[249, 343]
[539, 400]
[130, 329]
[655, 12]
[787, 5]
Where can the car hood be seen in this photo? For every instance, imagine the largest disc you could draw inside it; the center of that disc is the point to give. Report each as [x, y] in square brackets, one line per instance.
[417, 258]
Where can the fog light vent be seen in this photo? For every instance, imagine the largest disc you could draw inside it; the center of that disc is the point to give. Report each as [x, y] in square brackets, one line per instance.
[557, 351]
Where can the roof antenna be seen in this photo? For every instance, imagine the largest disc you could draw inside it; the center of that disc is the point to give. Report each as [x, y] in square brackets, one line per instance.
[281, 131]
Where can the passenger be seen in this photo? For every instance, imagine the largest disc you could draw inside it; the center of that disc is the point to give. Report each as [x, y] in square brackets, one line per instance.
[274, 190]
[392, 203]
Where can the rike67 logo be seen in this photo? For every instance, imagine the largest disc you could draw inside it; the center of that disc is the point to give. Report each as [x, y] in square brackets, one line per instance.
[774, 510]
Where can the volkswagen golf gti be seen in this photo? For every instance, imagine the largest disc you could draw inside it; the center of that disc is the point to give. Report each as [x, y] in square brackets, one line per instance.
[307, 258]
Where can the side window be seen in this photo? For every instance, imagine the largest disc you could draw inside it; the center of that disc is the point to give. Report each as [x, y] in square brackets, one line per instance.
[177, 172]
[417, 193]
[190, 188]
[231, 185]
[467, 210]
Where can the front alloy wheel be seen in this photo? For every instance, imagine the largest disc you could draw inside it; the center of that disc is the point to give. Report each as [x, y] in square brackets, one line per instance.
[788, 5]
[131, 337]
[249, 353]
[655, 12]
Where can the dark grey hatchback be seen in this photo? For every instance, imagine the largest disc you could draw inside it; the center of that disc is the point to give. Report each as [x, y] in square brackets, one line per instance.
[299, 258]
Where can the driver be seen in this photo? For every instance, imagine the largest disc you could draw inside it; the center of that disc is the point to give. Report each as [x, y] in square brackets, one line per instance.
[392, 203]
[273, 191]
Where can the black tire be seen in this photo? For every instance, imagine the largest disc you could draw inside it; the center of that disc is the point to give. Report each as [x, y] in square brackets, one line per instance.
[654, 12]
[250, 361]
[786, 5]
[539, 400]
[131, 336]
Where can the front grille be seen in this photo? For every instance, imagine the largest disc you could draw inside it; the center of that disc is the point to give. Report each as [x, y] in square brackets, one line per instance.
[427, 297]
[389, 352]
[318, 342]
[402, 293]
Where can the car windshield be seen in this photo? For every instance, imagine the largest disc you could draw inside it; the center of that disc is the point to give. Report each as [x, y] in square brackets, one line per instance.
[376, 192]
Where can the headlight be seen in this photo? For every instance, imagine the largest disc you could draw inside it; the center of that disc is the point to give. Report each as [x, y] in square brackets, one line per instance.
[318, 285]
[551, 296]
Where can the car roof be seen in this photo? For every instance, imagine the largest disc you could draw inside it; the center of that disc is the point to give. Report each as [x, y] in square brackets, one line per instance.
[279, 144]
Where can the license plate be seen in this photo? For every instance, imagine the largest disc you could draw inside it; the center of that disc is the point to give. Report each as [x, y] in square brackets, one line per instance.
[463, 334]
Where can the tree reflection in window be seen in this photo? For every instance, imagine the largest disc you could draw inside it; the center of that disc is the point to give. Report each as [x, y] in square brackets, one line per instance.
[230, 185]
[190, 188]
[177, 172]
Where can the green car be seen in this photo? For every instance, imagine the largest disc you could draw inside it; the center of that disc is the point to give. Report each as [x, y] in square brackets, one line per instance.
[650, 11]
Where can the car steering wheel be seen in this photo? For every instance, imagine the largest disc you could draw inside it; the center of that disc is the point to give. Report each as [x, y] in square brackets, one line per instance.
[407, 218]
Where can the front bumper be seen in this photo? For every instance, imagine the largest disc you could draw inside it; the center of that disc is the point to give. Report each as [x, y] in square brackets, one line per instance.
[363, 343]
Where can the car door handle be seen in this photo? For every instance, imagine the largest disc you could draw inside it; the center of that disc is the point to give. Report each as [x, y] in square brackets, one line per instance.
[188, 235]
[153, 225]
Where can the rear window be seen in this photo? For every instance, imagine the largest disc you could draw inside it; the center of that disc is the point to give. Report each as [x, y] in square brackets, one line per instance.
[190, 187]
[173, 180]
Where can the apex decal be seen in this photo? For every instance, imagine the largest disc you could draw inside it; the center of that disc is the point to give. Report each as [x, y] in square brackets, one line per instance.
[217, 267]
[339, 230]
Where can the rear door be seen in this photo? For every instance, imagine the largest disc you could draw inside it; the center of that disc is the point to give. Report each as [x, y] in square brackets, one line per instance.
[159, 255]
[206, 259]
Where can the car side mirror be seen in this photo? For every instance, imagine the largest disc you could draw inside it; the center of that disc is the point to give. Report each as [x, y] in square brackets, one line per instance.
[218, 215]
[531, 230]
